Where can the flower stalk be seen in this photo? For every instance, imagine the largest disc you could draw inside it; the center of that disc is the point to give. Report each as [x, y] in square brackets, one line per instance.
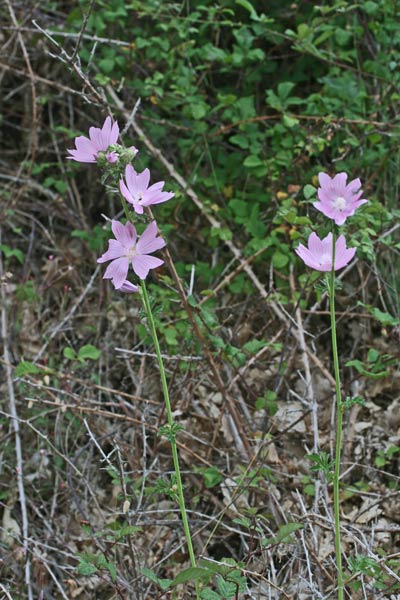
[339, 426]
[172, 428]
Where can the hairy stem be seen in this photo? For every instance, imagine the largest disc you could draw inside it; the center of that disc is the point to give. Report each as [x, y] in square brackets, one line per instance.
[339, 422]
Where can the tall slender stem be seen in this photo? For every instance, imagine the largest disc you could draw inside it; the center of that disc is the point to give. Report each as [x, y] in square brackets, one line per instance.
[170, 419]
[339, 421]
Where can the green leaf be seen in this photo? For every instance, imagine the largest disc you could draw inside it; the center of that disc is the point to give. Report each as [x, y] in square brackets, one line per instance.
[86, 569]
[191, 574]
[240, 140]
[209, 594]
[26, 368]
[69, 353]
[284, 89]
[384, 317]
[199, 110]
[107, 65]
[290, 121]
[248, 6]
[112, 570]
[226, 588]
[8, 252]
[254, 346]
[309, 191]
[212, 477]
[253, 161]
[163, 583]
[279, 260]
[359, 366]
[286, 530]
[88, 352]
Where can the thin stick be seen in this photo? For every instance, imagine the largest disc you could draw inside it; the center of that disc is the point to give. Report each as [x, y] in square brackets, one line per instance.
[15, 424]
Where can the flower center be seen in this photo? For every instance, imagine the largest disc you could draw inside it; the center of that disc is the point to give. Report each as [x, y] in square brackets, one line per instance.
[131, 252]
[325, 259]
[339, 203]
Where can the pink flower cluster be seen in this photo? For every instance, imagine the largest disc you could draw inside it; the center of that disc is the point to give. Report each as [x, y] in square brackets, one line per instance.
[337, 201]
[127, 248]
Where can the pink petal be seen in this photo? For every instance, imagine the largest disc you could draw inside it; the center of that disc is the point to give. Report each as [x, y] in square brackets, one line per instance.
[125, 234]
[307, 257]
[354, 186]
[114, 133]
[117, 270]
[339, 181]
[142, 264]
[128, 287]
[85, 150]
[105, 133]
[156, 197]
[314, 244]
[324, 179]
[148, 242]
[81, 157]
[125, 192]
[340, 246]
[115, 250]
[344, 258]
[112, 157]
[130, 176]
[339, 217]
[143, 180]
[95, 137]
[326, 245]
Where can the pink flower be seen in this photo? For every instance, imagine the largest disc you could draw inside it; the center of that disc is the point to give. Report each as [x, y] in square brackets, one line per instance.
[338, 200]
[87, 150]
[128, 287]
[137, 192]
[318, 255]
[127, 249]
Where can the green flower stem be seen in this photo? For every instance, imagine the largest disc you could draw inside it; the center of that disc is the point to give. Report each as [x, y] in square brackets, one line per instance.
[170, 419]
[339, 421]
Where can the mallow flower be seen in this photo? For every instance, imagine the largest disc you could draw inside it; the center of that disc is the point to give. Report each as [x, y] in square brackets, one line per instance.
[318, 255]
[336, 199]
[87, 150]
[137, 192]
[129, 249]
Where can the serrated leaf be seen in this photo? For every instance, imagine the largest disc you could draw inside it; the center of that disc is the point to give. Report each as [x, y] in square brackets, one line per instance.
[286, 530]
[209, 594]
[163, 583]
[191, 574]
[149, 574]
[384, 317]
[226, 588]
[12, 252]
[112, 570]
[86, 569]
[26, 368]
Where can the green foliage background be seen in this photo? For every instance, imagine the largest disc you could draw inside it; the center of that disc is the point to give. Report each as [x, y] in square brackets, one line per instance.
[250, 100]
